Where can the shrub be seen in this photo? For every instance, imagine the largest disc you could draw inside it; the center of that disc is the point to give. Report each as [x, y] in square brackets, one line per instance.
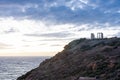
[85, 47]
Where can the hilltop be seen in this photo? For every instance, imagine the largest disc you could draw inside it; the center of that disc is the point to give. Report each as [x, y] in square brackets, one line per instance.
[96, 58]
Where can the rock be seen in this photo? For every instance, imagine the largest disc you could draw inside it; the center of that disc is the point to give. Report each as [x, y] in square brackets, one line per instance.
[86, 78]
[90, 59]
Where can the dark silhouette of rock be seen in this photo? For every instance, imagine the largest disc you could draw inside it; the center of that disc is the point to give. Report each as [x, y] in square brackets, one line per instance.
[81, 59]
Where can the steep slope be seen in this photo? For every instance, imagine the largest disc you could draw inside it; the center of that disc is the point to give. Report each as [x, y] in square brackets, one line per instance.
[98, 58]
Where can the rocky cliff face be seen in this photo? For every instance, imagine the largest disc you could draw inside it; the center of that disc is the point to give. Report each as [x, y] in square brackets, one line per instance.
[98, 58]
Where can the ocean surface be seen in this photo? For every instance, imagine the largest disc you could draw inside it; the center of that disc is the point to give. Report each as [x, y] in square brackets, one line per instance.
[13, 67]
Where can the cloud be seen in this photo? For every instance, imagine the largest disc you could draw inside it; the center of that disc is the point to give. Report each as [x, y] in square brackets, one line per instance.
[63, 11]
[118, 34]
[11, 30]
[53, 35]
[57, 39]
[56, 45]
[4, 46]
[36, 36]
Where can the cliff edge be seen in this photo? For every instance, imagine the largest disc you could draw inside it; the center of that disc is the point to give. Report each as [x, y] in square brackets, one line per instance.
[97, 58]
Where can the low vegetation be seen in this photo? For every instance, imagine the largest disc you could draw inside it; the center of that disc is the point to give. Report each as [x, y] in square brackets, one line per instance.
[98, 58]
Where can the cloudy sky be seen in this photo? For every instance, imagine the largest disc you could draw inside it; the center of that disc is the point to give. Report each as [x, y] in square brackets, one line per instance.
[43, 27]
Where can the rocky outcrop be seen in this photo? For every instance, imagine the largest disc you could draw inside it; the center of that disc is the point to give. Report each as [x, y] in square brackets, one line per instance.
[98, 58]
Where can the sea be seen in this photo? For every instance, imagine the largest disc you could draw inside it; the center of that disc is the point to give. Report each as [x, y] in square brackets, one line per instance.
[13, 67]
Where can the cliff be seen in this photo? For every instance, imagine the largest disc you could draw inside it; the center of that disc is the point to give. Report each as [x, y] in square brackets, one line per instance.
[98, 58]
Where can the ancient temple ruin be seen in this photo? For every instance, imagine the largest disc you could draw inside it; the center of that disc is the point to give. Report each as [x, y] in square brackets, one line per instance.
[99, 36]
[92, 36]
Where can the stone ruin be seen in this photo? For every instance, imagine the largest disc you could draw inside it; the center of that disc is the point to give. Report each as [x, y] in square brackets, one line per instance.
[99, 36]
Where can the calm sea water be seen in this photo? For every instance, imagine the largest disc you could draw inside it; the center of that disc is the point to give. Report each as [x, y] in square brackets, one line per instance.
[13, 67]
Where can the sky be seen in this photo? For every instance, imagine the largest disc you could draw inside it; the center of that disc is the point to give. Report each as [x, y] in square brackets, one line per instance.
[44, 27]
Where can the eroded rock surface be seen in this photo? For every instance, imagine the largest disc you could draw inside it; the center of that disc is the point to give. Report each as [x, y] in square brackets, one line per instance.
[98, 58]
